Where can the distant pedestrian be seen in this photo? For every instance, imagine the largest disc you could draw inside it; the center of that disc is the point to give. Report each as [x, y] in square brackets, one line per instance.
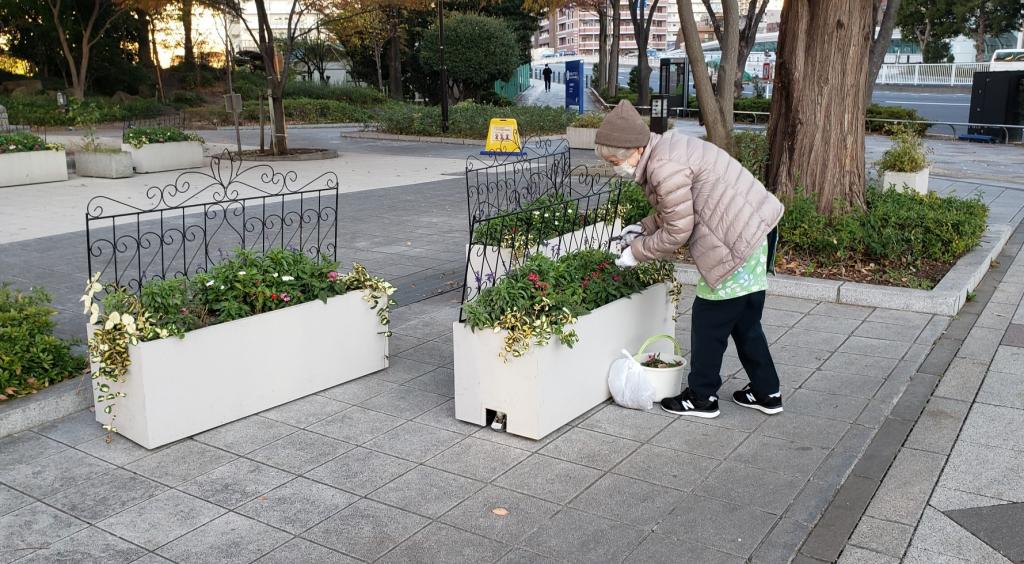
[547, 78]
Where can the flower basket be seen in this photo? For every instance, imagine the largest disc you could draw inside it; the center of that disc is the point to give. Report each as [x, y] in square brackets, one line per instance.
[103, 164]
[553, 384]
[581, 137]
[178, 387]
[916, 182]
[667, 381]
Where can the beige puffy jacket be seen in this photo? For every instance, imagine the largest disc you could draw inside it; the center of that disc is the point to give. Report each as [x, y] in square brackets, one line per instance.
[703, 196]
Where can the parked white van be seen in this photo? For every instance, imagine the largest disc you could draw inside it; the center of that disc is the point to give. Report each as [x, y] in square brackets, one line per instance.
[1007, 59]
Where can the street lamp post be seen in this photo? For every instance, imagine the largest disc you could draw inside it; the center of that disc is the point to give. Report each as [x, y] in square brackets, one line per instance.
[444, 67]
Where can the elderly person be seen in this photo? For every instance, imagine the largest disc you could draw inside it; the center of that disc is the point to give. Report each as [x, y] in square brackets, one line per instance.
[705, 198]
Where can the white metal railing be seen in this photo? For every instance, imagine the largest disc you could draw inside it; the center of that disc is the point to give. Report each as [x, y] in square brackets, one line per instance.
[943, 74]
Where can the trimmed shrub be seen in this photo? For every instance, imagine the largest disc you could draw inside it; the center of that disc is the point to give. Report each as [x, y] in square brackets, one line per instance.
[43, 110]
[907, 153]
[469, 120]
[876, 111]
[752, 152]
[358, 95]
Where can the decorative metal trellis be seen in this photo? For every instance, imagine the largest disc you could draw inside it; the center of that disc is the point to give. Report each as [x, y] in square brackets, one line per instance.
[534, 204]
[186, 227]
[174, 120]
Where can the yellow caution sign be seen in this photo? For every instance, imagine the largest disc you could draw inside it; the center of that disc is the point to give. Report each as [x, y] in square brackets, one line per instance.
[503, 138]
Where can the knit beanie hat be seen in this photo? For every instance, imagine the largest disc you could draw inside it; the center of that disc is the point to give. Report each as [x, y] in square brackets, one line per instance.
[624, 128]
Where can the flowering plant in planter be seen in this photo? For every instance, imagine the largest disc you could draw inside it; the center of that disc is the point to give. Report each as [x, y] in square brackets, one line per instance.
[139, 136]
[543, 298]
[545, 218]
[24, 142]
[245, 285]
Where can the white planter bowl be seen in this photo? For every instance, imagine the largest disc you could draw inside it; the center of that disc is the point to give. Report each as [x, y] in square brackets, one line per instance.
[550, 386]
[157, 157]
[580, 137]
[103, 164]
[667, 382]
[176, 388]
[916, 182]
[33, 167]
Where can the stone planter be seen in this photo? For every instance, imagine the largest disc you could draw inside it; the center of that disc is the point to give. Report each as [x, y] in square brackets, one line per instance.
[33, 167]
[103, 164]
[916, 182]
[581, 137]
[551, 385]
[157, 157]
[176, 388]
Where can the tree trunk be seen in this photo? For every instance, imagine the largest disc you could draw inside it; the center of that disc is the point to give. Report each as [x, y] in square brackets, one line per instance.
[394, 58]
[186, 24]
[816, 132]
[979, 37]
[380, 73]
[602, 43]
[719, 130]
[145, 51]
[612, 80]
[156, 67]
[880, 44]
[280, 138]
[747, 38]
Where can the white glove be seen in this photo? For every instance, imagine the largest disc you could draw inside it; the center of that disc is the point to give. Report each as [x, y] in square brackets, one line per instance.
[631, 232]
[626, 259]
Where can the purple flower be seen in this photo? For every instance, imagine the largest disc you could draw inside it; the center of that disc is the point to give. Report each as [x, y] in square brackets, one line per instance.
[286, 298]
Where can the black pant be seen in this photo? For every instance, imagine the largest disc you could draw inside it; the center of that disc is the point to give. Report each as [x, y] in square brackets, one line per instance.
[714, 322]
[547, 84]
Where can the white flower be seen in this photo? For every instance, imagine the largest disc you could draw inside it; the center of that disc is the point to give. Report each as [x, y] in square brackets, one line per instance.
[113, 319]
[94, 310]
[287, 278]
[274, 275]
[222, 287]
[241, 273]
[209, 283]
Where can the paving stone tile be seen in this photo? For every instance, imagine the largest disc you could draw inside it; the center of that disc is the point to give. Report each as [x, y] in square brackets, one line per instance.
[843, 311]
[785, 457]
[1007, 293]
[945, 499]
[939, 425]
[523, 443]
[246, 435]
[628, 500]
[478, 459]
[440, 543]
[940, 357]
[811, 502]
[874, 414]
[905, 318]
[404, 402]
[857, 385]
[297, 505]
[300, 452]
[817, 340]
[366, 529]
[962, 379]
[89, 546]
[360, 471]
[855, 555]
[119, 451]
[886, 537]
[887, 331]
[437, 353]
[399, 343]
[918, 555]
[25, 447]
[938, 533]
[832, 406]
[997, 316]
[427, 491]
[1002, 389]
[443, 417]
[11, 500]
[805, 429]
[981, 344]
[414, 441]
[523, 556]
[666, 467]
[590, 448]
[401, 370]
[875, 347]
[44, 477]
[859, 364]
[440, 381]
[908, 484]
[798, 356]
[917, 354]
[754, 487]
[358, 390]
[426, 328]
[985, 421]
[827, 538]
[181, 462]
[305, 411]
[228, 539]
[524, 514]
[697, 438]
[356, 425]
[74, 429]
[780, 318]
[828, 324]
[575, 536]
[562, 480]
[935, 329]
[33, 527]
[235, 483]
[782, 543]
[791, 304]
[790, 377]
[302, 551]
[662, 548]
[1014, 336]
[110, 493]
[1009, 360]
[161, 519]
[736, 529]
[627, 423]
[771, 332]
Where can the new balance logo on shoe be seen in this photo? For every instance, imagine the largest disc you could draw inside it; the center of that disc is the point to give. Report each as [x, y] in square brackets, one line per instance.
[687, 403]
[771, 404]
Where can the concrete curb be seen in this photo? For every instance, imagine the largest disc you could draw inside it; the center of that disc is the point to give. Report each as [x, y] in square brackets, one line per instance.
[290, 126]
[59, 400]
[412, 138]
[947, 298]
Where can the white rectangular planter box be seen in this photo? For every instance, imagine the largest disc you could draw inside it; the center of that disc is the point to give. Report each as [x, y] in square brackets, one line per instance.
[550, 386]
[103, 164]
[485, 260]
[580, 137]
[916, 182]
[33, 167]
[156, 157]
[176, 388]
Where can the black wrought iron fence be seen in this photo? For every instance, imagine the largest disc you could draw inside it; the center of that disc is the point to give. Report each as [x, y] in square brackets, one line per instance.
[173, 120]
[189, 225]
[495, 185]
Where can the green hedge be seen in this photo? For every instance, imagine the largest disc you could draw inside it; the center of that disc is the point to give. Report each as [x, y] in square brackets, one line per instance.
[358, 95]
[469, 120]
[300, 110]
[31, 357]
[874, 111]
[42, 110]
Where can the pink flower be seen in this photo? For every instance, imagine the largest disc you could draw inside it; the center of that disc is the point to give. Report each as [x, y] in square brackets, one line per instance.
[617, 278]
[332, 276]
[533, 277]
[286, 298]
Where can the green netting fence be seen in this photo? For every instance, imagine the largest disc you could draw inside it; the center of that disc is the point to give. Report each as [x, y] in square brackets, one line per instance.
[516, 85]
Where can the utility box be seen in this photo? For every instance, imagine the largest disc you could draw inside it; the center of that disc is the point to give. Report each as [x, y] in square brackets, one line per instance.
[659, 113]
[997, 98]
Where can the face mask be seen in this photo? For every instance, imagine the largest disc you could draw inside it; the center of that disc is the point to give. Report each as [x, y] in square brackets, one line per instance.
[625, 170]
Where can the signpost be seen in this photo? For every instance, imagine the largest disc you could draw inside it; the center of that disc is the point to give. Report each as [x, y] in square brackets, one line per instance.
[766, 75]
[574, 94]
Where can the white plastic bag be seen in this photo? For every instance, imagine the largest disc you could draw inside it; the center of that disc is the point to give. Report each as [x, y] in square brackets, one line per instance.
[629, 385]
